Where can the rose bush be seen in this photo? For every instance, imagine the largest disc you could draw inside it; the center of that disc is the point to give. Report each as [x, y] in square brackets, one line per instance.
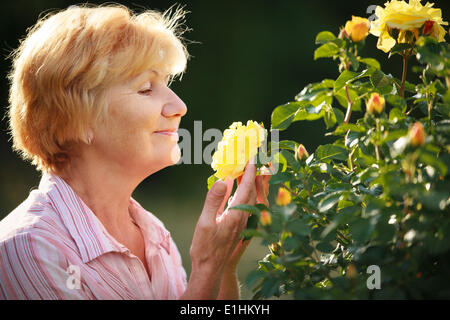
[379, 194]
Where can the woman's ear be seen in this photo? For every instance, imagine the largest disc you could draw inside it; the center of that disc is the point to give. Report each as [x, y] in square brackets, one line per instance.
[89, 136]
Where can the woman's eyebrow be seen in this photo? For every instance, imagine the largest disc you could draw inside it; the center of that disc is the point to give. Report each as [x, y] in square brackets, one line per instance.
[164, 76]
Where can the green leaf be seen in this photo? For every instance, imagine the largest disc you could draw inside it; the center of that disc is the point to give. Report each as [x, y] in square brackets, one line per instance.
[348, 77]
[290, 244]
[379, 79]
[329, 201]
[443, 109]
[329, 151]
[326, 50]
[396, 114]
[329, 117]
[443, 126]
[344, 127]
[386, 232]
[431, 160]
[270, 287]
[370, 62]
[211, 181]
[283, 115]
[324, 247]
[395, 134]
[343, 78]
[310, 112]
[341, 97]
[324, 36]
[281, 177]
[339, 115]
[252, 224]
[316, 98]
[247, 234]
[400, 48]
[298, 227]
[288, 144]
[351, 139]
[247, 208]
[252, 221]
[353, 60]
[429, 51]
[338, 186]
[396, 101]
[253, 277]
[362, 230]
[291, 160]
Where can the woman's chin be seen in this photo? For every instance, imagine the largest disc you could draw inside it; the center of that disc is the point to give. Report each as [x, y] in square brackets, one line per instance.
[163, 159]
[170, 157]
[175, 154]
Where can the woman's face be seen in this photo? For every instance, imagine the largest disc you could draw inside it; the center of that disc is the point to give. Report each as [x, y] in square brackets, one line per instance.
[140, 132]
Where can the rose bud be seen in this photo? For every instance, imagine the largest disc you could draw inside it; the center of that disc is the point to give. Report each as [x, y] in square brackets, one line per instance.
[265, 218]
[276, 248]
[417, 134]
[357, 28]
[283, 197]
[376, 103]
[301, 153]
[342, 34]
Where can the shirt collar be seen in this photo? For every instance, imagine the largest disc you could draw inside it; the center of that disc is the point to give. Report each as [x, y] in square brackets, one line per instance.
[89, 234]
[154, 230]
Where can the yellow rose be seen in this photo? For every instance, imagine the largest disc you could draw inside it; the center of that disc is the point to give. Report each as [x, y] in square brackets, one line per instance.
[265, 218]
[376, 103]
[357, 28]
[239, 144]
[283, 197]
[417, 134]
[400, 22]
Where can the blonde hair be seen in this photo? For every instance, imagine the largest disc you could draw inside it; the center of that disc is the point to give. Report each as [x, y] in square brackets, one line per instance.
[63, 67]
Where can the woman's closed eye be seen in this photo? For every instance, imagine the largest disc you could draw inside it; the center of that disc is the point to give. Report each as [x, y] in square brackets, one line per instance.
[146, 89]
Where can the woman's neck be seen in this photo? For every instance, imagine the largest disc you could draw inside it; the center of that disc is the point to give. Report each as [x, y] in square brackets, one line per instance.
[104, 188]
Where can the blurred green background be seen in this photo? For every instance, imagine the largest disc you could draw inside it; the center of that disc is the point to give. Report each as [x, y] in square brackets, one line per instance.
[250, 57]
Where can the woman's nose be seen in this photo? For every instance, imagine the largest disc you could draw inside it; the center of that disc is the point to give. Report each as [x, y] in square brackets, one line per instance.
[174, 107]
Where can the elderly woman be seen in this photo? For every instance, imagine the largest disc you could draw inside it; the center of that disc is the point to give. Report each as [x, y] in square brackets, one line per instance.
[90, 106]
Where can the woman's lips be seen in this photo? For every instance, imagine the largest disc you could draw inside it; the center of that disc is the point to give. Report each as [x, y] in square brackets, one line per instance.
[169, 133]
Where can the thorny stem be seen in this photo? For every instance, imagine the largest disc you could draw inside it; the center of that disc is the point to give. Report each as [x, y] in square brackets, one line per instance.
[405, 204]
[347, 119]
[295, 194]
[349, 107]
[377, 152]
[350, 157]
[405, 67]
[430, 106]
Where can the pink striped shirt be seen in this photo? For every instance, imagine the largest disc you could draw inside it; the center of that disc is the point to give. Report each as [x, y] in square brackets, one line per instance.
[52, 246]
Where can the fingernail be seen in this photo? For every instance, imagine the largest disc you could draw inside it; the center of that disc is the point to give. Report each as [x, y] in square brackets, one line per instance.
[219, 188]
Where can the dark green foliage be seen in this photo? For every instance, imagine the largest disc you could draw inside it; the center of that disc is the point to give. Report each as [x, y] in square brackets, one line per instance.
[369, 198]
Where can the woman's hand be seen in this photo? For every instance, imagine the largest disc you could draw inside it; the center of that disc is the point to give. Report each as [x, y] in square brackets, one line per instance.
[229, 287]
[217, 235]
[262, 190]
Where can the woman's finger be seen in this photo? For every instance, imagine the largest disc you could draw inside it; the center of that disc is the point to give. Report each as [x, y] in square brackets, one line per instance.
[246, 184]
[238, 180]
[213, 201]
[266, 184]
[229, 183]
[261, 191]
